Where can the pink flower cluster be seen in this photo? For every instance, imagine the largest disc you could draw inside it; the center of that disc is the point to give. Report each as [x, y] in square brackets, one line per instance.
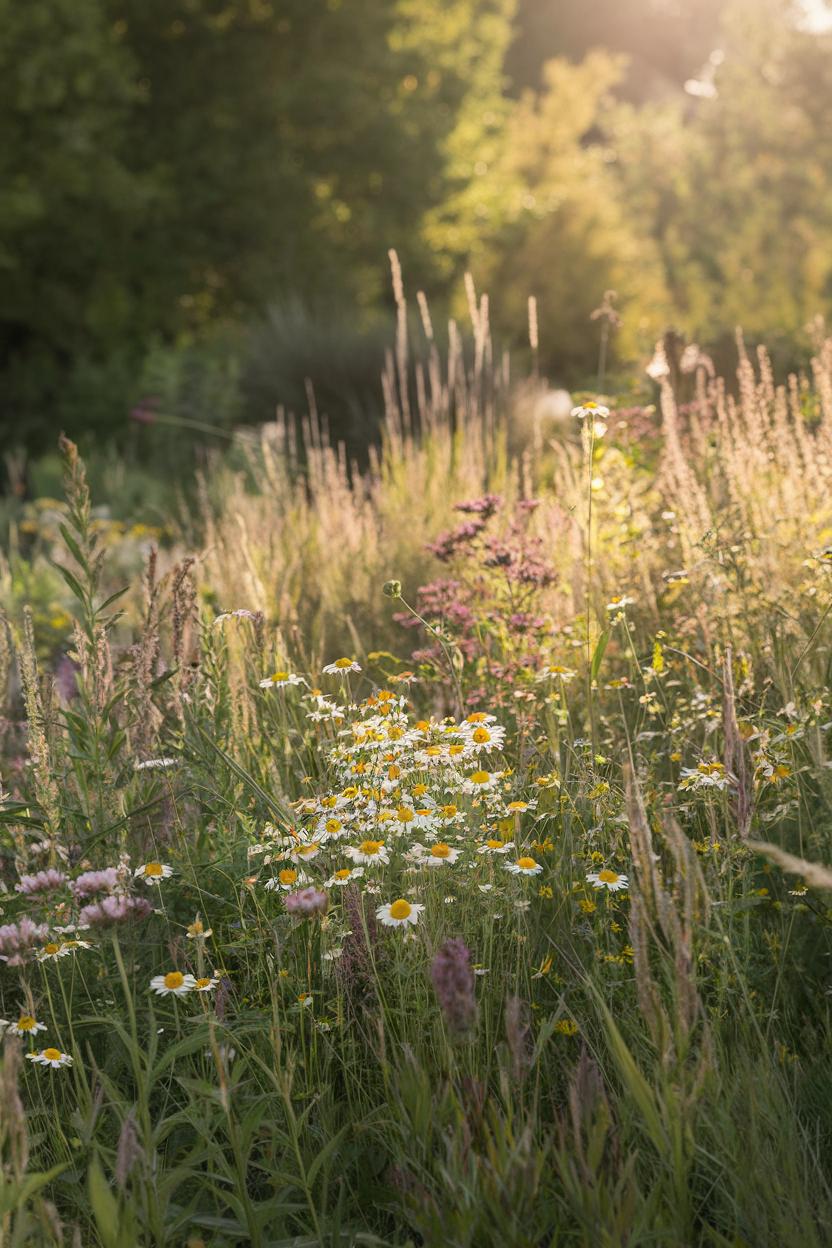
[41, 882]
[18, 939]
[92, 882]
[306, 902]
[112, 910]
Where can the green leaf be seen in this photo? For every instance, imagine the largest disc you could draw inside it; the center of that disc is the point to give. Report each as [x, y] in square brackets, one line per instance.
[104, 1206]
[598, 656]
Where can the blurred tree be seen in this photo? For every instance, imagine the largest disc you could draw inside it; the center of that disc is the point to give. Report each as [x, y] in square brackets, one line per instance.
[735, 184]
[665, 41]
[546, 217]
[171, 163]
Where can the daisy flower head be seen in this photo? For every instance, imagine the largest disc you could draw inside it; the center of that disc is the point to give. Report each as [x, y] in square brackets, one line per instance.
[613, 881]
[620, 602]
[173, 984]
[590, 410]
[53, 950]
[153, 872]
[26, 1025]
[368, 851]
[288, 878]
[50, 1057]
[279, 680]
[438, 854]
[206, 983]
[480, 781]
[344, 876]
[524, 866]
[495, 845]
[340, 667]
[304, 853]
[399, 913]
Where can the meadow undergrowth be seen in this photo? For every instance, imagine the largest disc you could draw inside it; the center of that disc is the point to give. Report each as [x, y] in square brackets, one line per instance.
[400, 858]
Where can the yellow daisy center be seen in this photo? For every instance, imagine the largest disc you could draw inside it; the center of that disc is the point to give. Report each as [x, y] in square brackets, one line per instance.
[343, 874]
[404, 814]
[174, 979]
[52, 1055]
[440, 850]
[371, 847]
[26, 1022]
[400, 909]
[51, 948]
[343, 662]
[153, 868]
[608, 877]
[481, 777]
[449, 811]
[204, 982]
[333, 825]
[287, 876]
[526, 864]
[419, 790]
[481, 735]
[494, 844]
[476, 717]
[279, 676]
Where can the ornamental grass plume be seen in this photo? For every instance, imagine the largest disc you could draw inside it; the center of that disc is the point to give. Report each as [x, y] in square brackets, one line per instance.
[453, 983]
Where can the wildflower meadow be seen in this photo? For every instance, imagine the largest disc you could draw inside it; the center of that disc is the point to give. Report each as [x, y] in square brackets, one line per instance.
[435, 851]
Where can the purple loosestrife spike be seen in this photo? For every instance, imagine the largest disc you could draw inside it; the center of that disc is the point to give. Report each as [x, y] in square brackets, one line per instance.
[453, 982]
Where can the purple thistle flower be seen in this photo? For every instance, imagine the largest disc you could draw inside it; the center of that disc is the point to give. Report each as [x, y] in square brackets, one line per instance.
[453, 982]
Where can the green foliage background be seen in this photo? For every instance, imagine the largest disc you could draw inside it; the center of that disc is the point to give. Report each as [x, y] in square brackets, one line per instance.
[223, 179]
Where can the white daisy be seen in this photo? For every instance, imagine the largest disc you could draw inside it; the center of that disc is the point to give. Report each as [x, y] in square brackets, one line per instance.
[153, 872]
[286, 879]
[173, 984]
[50, 1057]
[495, 846]
[344, 876]
[368, 851]
[611, 880]
[279, 679]
[399, 913]
[438, 854]
[524, 866]
[590, 409]
[340, 667]
[26, 1025]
